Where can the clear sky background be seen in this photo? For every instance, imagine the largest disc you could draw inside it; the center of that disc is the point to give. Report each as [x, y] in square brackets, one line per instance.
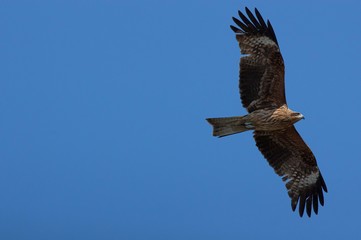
[103, 132]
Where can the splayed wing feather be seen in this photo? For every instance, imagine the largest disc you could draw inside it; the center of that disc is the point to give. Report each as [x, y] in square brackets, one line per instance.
[240, 24]
[260, 19]
[253, 19]
[250, 26]
[234, 29]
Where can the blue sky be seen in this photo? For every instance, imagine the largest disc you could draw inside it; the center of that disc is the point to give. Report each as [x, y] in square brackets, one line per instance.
[103, 131]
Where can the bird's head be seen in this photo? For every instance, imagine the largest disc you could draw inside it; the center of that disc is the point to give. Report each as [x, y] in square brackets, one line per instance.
[296, 116]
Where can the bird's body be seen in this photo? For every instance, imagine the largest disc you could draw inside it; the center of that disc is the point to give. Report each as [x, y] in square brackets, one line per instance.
[262, 90]
[273, 119]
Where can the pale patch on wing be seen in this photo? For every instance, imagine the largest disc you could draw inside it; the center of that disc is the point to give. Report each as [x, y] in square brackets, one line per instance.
[301, 180]
[310, 179]
[265, 41]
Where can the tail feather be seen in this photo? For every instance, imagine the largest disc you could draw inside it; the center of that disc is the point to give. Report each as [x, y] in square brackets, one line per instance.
[229, 125]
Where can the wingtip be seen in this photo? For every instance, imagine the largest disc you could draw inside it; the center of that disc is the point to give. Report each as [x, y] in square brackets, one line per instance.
[255, 24]
[315, 203]
[301, 206]
[240, 13]
[294, 203]
[308, 202]
[323, 184]
[309, 206]
[234, 29]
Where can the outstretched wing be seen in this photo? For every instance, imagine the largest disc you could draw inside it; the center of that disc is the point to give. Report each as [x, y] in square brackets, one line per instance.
[261, 76]
[292, 159]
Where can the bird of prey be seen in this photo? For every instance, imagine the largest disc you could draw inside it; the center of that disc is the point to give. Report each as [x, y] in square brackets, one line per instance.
[262, 90]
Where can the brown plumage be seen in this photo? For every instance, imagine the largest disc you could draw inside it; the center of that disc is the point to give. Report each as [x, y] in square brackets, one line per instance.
[262, 90]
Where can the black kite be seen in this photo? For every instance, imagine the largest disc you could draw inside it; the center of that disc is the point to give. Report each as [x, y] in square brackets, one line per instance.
[262, 90]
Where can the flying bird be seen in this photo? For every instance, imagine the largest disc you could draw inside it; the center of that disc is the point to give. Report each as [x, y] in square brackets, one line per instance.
[262, 90]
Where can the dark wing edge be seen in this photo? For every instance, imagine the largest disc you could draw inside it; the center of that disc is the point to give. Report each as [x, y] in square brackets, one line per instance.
[254, 25]
[293, 160]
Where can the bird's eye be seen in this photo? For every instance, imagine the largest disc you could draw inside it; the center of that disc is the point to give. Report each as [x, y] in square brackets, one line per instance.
[295, 114]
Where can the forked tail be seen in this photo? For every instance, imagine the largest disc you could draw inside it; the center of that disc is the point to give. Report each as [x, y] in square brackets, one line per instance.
[229, 125]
